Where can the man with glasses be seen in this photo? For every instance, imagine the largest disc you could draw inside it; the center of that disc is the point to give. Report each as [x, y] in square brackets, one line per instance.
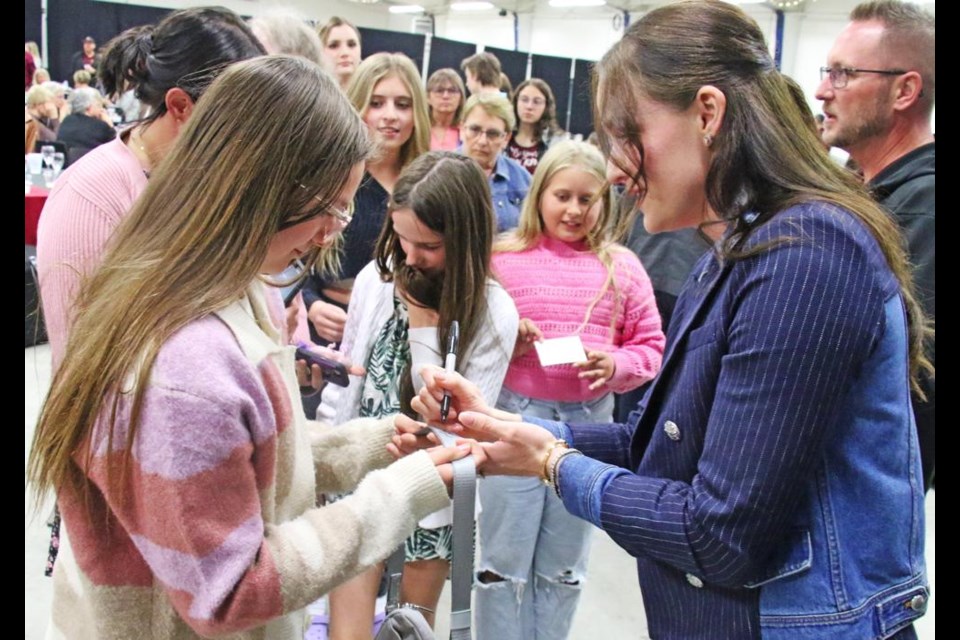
[878, 98]
[487, 122]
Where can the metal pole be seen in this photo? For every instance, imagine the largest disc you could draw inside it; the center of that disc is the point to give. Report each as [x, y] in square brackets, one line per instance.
[44, 50]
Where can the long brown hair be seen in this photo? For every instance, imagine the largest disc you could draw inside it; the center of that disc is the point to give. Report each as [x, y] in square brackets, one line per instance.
[766, 158]
[193, 243]
[450, 195]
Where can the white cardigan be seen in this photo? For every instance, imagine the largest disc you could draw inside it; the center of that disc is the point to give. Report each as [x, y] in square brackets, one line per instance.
[371, 305]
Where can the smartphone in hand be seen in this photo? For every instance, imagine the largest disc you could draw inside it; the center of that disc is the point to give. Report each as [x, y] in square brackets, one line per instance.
[333, 372]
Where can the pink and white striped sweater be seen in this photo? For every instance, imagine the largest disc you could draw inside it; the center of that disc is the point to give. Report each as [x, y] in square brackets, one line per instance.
[214, 531]
[552, 284]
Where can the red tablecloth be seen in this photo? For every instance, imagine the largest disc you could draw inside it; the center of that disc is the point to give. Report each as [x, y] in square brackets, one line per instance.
[32, 205]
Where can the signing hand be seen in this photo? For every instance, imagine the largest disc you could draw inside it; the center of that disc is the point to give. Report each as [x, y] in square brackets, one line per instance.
[599, 367]
[328, 319]
[527, 334]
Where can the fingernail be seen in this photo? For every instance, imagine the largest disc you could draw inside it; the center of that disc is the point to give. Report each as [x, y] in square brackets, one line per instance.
[463, 447]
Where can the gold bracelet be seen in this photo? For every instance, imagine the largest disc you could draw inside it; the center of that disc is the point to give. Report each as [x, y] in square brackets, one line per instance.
[545, 473]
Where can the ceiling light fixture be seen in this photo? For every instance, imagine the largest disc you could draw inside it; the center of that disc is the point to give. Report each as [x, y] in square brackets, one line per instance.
[471, 6]
[406, 8]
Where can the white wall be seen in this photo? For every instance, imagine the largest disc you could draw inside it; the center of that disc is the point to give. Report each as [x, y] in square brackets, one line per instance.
[363, 15]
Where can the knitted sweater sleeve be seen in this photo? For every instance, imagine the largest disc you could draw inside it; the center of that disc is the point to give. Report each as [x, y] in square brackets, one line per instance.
[81, 214]
[640, 350]
[206, 503]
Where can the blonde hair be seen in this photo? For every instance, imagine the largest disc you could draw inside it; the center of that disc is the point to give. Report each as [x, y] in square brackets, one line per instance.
[192, 244]
[448, 76]
[570, 154]
[82, 76]
[378, 67]
[495, 106]
[38, 95]
[40, 76]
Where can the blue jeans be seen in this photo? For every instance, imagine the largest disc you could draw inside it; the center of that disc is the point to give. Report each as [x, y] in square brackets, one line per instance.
[533, 554]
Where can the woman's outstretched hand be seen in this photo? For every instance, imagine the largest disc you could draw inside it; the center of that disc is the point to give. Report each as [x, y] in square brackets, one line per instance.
[509, 448]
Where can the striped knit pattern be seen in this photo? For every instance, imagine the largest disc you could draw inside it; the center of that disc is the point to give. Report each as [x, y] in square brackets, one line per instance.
[553, 284]
[85, 206]
[761, 357]
[213, 531]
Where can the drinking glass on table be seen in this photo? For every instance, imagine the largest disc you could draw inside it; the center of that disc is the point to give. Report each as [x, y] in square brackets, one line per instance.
[47, 152]
[57, 163]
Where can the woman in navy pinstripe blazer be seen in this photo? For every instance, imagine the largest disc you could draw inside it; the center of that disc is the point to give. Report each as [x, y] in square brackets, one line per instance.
[769, 482]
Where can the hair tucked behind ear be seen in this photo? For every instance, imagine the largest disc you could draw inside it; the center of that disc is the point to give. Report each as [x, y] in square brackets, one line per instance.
[187, 49]
[766, 157]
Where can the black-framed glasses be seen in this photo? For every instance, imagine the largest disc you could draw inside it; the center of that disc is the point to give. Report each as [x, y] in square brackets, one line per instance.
[493, 135]
[342, 215]
[840, 76]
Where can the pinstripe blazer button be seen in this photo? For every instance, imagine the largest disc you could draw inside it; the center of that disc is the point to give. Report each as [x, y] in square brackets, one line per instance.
[694, 581]
[672, 430]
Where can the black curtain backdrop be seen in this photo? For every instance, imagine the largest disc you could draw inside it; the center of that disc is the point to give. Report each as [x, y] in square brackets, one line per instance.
[449, 54]
[31, 22]
[581, 106]
[556, 73]
[409, 44]
[70, 21]
[513, 63]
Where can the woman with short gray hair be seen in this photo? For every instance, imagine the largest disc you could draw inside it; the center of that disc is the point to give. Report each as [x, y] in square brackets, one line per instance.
[88, 125]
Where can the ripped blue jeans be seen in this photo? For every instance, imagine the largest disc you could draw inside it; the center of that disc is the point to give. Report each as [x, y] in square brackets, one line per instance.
[533, 554]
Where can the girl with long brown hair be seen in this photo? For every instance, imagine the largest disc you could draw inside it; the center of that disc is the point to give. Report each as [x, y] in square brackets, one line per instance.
[172, 433]
[431, 268]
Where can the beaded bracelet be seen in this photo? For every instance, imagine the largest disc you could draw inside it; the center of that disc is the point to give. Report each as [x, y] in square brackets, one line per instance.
[553, 478]
[545, 473]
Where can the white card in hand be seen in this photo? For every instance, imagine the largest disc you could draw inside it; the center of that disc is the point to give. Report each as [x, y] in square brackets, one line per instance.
[560, 351]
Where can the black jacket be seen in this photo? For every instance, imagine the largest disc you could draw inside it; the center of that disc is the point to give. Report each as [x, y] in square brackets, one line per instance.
[907, 188]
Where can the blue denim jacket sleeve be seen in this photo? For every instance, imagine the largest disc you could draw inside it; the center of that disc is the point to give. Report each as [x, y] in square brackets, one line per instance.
[608, 443]
[583, 482]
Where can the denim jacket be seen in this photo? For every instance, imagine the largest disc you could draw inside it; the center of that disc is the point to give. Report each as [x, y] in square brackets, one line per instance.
[769, 482]
[509, 184]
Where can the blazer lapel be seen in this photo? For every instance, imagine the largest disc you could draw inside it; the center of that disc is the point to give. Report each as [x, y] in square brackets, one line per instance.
[675, 351]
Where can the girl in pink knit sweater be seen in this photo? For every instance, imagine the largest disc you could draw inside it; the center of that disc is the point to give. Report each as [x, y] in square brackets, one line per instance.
[567, 277]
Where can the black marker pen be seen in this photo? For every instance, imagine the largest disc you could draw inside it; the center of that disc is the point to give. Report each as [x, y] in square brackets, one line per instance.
[450, 365]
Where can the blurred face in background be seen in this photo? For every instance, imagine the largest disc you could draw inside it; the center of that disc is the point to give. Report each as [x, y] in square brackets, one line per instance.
[341, 52]
[531, 104]
[444, 98]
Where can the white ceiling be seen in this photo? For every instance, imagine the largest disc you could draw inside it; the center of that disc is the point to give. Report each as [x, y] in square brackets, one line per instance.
[542, 7]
